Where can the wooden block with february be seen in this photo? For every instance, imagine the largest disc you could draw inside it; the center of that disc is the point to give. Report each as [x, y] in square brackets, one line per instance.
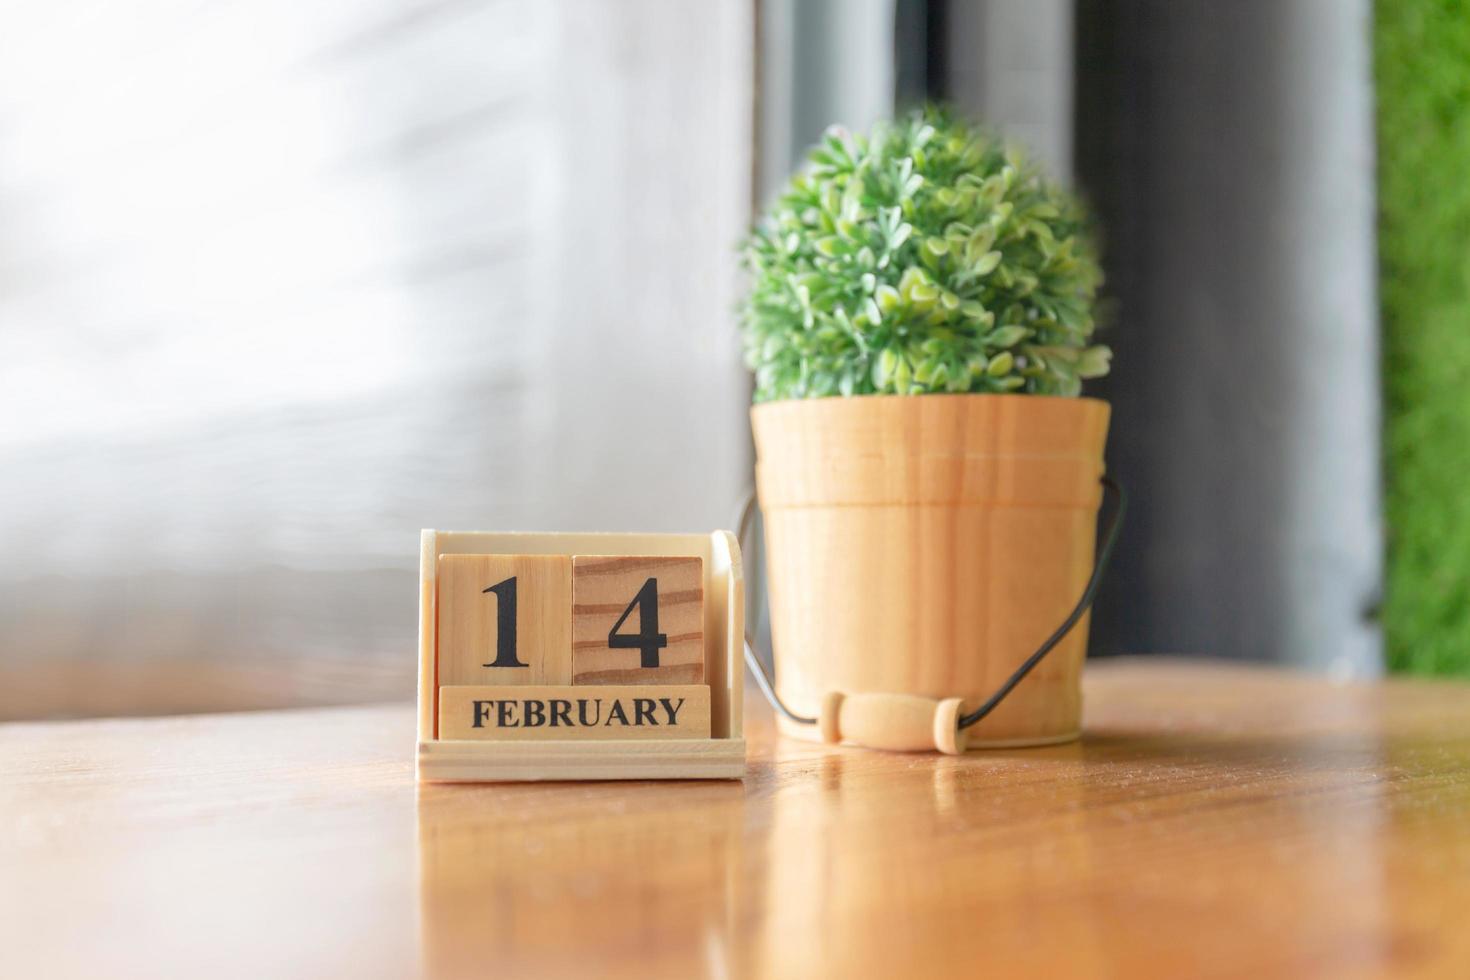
[563, 712]
[505, 619]
[637, 619]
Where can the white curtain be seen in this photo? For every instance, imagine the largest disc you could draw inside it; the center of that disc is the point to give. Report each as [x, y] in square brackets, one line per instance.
[282, 283]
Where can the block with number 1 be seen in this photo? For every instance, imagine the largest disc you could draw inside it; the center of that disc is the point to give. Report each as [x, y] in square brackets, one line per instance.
[505, 620]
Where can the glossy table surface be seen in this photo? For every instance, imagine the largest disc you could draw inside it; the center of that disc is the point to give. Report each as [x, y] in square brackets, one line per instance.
[1213, 821]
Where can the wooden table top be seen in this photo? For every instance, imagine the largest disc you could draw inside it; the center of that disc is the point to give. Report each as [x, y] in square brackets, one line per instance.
[1214, 821]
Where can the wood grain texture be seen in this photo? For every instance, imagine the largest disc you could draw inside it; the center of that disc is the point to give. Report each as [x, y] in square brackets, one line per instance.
[927, 546]
[469, 621]
[1211, 822]
[604, 587]
[567, 713]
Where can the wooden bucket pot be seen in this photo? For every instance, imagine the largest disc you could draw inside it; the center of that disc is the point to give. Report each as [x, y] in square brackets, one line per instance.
[927, 545]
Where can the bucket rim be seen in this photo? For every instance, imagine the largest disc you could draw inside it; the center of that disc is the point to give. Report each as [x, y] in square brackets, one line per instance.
[1010, 396]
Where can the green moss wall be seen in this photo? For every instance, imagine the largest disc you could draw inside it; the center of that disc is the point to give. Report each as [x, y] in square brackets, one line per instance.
[1422, 63]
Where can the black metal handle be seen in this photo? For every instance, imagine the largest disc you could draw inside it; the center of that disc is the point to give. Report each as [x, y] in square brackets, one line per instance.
[1110, 539]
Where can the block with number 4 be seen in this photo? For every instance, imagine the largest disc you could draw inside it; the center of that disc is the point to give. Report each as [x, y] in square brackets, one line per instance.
[505, 619]
[637, 619]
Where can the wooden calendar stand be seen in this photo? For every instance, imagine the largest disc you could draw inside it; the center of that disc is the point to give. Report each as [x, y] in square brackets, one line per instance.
[720, 756]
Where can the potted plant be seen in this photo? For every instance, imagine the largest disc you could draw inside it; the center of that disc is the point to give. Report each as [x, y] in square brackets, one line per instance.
[919, 325]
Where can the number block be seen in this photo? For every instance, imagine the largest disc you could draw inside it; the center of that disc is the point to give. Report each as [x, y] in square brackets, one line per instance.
[519, 714]
[637, 620]
[505, 619]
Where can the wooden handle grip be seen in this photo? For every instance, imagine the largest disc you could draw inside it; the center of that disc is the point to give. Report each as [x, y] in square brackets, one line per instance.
[897, 722]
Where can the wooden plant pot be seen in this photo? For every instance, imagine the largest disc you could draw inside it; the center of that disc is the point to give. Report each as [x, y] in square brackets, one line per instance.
[927, 545]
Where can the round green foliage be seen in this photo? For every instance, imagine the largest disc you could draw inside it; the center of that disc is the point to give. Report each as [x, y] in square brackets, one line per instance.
[925, 257]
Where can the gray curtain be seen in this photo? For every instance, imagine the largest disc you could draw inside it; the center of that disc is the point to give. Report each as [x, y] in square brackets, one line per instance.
[1228, 148]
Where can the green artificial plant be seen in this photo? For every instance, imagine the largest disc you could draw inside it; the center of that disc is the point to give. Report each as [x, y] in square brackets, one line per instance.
[924, 257]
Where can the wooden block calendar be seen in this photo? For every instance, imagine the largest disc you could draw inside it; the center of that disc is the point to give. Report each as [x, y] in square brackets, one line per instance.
[580, 656]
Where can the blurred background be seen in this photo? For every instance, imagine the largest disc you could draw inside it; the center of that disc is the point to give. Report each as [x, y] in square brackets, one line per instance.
[282, 283]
